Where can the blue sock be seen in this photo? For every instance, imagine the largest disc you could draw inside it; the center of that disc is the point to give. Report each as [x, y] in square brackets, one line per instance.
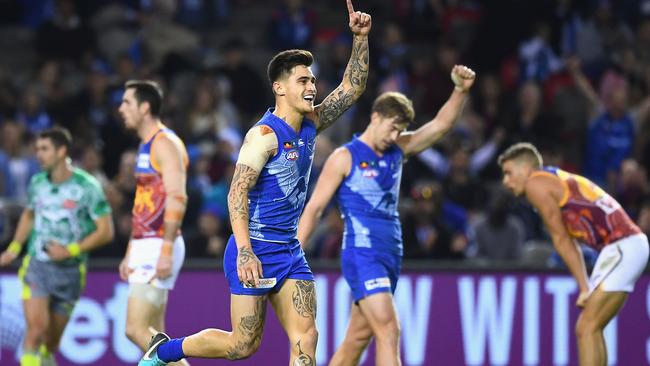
[171, 351]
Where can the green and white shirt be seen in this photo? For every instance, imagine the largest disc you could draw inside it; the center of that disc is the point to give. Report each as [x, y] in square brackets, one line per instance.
[64, 212]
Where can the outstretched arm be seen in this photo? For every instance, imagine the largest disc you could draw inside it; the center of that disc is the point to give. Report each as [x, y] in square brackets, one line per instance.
[583, 84]
[336, 168]
[355, 76]
[538, 193]
[416, 141]
[259, 145]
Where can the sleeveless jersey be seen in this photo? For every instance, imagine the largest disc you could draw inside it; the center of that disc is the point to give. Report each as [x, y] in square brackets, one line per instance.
[278, 198]
[368, 199]
[590, 215]
[149, 205]
[64, 212]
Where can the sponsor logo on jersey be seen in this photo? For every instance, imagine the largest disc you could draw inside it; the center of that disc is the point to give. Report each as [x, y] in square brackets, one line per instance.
[143, 161]
[377, 283]
[292, 155]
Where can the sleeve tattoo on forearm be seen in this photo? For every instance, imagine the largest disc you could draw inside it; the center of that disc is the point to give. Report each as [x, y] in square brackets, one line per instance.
[243, 180]
[344, 96]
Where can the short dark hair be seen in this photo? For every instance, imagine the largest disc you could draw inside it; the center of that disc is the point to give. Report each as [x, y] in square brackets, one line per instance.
[59, 137]
[394, 104]
[282, 63]
[147, 91]
[522, 151]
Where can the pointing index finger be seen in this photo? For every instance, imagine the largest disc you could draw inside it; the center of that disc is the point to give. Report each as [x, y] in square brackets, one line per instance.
[350, 7]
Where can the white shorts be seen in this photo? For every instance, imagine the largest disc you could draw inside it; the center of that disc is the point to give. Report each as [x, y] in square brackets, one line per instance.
[143, 258]
[620, 264]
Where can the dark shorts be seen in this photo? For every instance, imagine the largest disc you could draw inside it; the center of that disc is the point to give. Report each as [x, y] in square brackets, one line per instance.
[61, 283]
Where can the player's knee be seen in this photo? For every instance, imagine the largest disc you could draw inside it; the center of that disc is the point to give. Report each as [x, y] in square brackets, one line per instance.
[395, 328]
[36, 330]
[389, 331]
[305, 341]
[390, 325]
[362, 336]
[310, 335]
[243, 348]
[132, 331]
[586, 327]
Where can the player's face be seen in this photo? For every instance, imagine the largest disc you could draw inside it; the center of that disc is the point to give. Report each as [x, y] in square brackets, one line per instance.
[47, 154]
[387, 131]
[129, 110]
[515, 174]
[300, 88]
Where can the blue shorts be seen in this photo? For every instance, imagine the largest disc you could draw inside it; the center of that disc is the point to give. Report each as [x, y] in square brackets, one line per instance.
[369, 272]
[279, 262]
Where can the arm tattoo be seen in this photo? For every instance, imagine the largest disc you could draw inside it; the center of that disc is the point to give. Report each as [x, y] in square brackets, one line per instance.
[245, 255]
[243, 180]
[358, 64]
[250, 329]
[334, 106]
[303, 358]
[353, 85]
[304, 299]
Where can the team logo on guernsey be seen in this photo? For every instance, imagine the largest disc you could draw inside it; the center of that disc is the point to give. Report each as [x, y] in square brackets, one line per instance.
[289, 145]
[368, 170]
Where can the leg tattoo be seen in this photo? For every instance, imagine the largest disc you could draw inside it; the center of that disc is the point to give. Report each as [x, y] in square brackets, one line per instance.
[250, 328]
[303, 358]
[304, 299]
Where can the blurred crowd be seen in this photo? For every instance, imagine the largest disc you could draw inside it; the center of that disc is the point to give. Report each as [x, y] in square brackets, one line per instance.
[573, 77]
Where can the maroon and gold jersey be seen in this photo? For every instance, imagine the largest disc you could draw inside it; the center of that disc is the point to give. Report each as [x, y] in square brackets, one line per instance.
[149, 205]
[590, 215]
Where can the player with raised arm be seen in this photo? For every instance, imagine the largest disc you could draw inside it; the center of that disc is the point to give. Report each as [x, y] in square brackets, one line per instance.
[156, 250]
[365, 176]
[576, 210]
[263, 259]
[67, 216]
